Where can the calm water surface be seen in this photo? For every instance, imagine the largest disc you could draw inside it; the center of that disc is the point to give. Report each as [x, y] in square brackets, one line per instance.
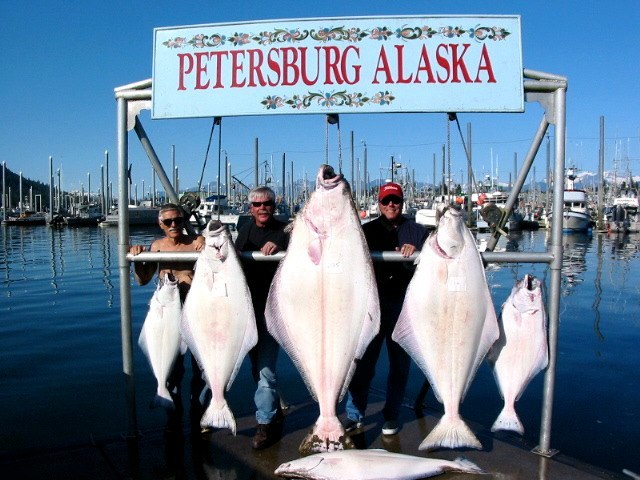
[61, 358]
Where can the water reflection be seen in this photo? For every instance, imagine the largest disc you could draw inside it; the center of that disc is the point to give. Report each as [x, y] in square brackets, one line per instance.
[624, 246]
[106, 267]
[574, 255]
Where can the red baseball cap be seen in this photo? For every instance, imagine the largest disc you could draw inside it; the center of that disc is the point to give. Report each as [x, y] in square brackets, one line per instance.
[390, 189]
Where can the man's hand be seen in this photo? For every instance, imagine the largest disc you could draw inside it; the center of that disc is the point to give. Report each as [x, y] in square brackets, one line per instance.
[136, 249]
[269, 248]
[198, 243]
[406, 250]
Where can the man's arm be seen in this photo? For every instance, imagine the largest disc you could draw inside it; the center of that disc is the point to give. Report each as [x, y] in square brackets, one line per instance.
[143, 271]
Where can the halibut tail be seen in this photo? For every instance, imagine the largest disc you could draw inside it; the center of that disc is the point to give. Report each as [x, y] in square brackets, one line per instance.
[218, 418]
[450, 432]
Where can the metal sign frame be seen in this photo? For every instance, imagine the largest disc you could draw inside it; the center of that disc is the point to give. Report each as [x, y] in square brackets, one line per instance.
[547, 89]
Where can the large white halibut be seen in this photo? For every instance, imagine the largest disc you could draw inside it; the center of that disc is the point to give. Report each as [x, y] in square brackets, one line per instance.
[521, 351]
[160, 336]
[323, 304]
[448, 323]
[371, 464]
[218, 322]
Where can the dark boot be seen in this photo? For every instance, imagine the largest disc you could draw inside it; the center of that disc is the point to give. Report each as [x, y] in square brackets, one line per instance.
[268, 433]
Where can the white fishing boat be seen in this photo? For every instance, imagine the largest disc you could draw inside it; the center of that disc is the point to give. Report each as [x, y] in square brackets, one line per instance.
[137, 216]
[576, 216]
[217, 207]
[623, 216]
[430, 213]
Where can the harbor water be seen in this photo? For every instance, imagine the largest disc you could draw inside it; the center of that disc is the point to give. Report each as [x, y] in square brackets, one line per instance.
[61, 356]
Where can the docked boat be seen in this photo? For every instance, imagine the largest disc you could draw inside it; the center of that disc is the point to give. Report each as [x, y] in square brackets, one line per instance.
[26, 219]
[576, 216]
[137, 216]
[217, 206]
[85, 216]
[623, 215]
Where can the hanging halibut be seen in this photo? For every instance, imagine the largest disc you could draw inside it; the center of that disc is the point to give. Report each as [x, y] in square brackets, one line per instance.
[448, 323]
[372, 464]
[323, 304]
[218, 322]
[521, 351]
[160, 336]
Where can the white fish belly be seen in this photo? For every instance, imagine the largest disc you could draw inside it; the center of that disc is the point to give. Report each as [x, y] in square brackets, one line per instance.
[524, 353]
[321, 312]
[370, 465]
[219, 323]
[446, 305]
[160, 334]
[447, 325]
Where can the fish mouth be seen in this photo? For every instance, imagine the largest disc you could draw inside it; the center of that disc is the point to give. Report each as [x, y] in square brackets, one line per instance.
[169, 279]
[328, 178]
[214, 227]
[530, 282]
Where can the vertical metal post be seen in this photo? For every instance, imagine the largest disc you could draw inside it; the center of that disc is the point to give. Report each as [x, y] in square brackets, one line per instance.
[444, 159]
[50, 188]
[59, 192]
[284, 177]
[154, 200]
[469, 177]
[174, 182]
[434, 175]
[107, 183]
[292, 187]
[4, 188]
[102, 202]
[20, 198]
[601, 175]
[548, 196]
[228, 181]
[392, 168]
[556, 272]
[124, 269]
[255, 154]
[365, 176]
[353, 172]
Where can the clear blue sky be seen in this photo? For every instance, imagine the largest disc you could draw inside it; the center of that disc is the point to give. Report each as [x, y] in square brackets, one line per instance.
[61, 61]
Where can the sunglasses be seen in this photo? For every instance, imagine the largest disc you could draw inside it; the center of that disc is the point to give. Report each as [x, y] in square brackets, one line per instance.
[268, 203]
[391, 199]
[168, 221]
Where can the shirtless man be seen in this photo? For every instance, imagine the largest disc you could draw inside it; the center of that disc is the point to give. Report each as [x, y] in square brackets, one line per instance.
[171, 220]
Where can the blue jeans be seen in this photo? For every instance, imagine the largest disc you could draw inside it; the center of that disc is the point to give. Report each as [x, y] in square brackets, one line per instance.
[399, 364]
[263, 367]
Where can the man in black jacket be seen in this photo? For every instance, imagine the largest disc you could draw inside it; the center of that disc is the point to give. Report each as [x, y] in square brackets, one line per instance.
[389, 232]
[266, 234]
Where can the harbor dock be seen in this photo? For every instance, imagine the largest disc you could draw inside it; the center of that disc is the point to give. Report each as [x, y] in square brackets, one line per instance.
[155, 454]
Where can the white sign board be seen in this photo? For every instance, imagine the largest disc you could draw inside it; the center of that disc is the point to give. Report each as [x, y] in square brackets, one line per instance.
[339, 65]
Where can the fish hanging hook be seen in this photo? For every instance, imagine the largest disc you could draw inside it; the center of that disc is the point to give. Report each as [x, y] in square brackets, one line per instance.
[333, 119]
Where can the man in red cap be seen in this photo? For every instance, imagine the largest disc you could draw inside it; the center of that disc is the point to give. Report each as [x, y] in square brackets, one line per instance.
[390, 231]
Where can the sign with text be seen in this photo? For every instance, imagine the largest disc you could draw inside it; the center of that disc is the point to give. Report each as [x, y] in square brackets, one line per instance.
[339, 65]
